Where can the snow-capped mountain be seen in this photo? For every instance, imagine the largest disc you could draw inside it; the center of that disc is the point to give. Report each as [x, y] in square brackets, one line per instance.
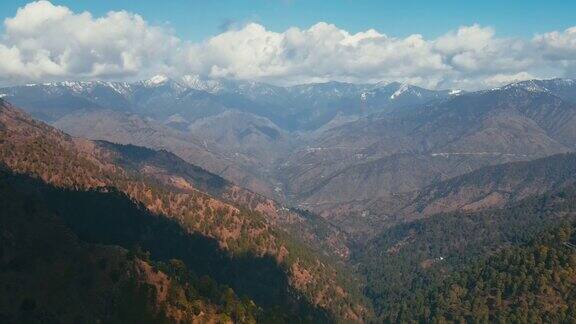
[197, 82]
[563, 88]
[156, 80]
[51, 101]
[300, 107]
[78, 87]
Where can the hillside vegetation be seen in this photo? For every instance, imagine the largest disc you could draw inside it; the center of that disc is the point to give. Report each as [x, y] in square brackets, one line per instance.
[294, 276]
[51, 275]
[407, 262]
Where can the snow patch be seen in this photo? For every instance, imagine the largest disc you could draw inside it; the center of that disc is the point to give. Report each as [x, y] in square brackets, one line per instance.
[196, 82]
[403, 88]
[120, 87]
[156, 80]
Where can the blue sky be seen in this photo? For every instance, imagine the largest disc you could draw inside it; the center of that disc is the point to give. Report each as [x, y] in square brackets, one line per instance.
[197, 20]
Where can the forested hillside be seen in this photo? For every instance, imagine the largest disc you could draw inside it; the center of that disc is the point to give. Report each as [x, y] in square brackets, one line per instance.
[489, 187]
[172, 171]
[50, 273]
[530, 283]
[405, 263]
[299, 278]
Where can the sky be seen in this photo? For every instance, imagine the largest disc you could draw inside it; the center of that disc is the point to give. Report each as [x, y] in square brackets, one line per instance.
[196, 20]
[439, 44]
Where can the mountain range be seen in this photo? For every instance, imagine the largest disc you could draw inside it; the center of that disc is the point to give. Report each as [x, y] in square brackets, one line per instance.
[249, 202]
[377, 139]
[184, 116]
[414, 147]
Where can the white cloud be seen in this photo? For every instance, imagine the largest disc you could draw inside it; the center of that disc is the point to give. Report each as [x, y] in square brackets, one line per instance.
[46, 42]
[470, 55]
[503, 79]
[559, 49]
[322, 52]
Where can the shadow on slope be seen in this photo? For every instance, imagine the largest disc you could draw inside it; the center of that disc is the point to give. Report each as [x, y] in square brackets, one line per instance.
[109, 217]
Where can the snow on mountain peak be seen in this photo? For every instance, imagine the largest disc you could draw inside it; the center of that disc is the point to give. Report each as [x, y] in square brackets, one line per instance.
[156, 80]
[564, 81]
[195, 81]
[120, 87]
[192, 79]
[529, 85]
[381, 84]
[403, 88]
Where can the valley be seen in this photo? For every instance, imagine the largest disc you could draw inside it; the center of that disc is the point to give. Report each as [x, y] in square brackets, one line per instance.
[338, 209]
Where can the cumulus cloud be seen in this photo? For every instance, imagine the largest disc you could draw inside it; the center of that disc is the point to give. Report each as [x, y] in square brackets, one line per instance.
[470, 57]
[48, 42]
[321, 52]
[559, 48]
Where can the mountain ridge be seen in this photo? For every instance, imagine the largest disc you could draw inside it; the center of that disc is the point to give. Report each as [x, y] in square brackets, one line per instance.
[428, 143]
[65, 162]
